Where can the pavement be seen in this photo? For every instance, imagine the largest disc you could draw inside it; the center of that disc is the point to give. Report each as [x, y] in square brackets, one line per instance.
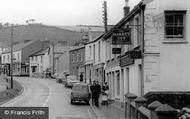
[111, 111]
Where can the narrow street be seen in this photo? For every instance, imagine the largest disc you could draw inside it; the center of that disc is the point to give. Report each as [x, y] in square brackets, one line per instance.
[48, 93]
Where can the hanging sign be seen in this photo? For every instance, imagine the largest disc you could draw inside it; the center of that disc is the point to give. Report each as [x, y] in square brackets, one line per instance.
[126, 60]
[121, 36]
[116, 50]
[135, 54]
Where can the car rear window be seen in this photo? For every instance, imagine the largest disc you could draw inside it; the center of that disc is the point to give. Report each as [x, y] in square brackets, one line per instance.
[80, 88]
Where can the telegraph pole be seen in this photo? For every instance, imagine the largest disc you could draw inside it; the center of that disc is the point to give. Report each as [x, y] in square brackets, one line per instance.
[53, 53]
[11, 66]
[105, 19]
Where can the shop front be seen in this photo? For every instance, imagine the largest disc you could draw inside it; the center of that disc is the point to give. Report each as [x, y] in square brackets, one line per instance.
[131, 73]
[99, 73]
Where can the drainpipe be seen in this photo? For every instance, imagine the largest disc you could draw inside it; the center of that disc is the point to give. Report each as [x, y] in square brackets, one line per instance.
[85, 73]
[142, 51]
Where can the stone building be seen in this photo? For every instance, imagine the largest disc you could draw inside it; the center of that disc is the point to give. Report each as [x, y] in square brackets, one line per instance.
[77, 61]
[21, 53]
[156, 55]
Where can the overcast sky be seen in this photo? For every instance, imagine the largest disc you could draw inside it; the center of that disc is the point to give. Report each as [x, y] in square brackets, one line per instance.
[61, 12]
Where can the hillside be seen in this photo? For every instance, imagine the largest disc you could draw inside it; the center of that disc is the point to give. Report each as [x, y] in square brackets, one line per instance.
[41, 32]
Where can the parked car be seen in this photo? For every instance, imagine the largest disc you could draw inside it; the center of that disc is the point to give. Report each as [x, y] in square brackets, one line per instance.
[70, 81]
[80, 93]
[60, 78]
[54, 75]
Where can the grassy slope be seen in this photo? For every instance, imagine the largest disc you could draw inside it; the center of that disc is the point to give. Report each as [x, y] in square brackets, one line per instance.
[41, 32]
[10, 93]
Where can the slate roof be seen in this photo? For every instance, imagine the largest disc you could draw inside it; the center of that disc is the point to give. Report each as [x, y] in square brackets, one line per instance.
[19, 46]
[41, 52]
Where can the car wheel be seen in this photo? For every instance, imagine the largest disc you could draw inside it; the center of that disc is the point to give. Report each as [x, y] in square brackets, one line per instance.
[87, 102]
[72, 102]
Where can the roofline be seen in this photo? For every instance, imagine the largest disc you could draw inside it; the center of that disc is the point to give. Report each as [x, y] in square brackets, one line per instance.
[95, 39]
[77, 48]
[20, 49]
[10, 51]
[35, 54]
[125, 19]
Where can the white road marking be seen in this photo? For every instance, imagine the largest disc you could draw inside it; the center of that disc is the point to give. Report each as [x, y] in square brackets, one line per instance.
[45, 104]
[47, 100]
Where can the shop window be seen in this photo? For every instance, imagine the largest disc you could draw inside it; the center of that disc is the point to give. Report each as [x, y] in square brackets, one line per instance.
[174, 24]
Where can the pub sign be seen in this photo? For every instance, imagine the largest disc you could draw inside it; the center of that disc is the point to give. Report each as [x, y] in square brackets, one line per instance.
[135, 54]
[116, 50]
[126, 60]
[121, 36]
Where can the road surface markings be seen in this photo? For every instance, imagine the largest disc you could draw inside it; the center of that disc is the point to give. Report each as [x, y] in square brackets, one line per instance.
[47, 100]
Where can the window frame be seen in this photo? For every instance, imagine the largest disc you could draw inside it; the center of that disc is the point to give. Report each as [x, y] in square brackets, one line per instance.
[99, 50]
[175, 37]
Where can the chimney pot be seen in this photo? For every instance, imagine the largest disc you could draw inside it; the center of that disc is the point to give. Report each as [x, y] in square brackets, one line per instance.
[126, 8]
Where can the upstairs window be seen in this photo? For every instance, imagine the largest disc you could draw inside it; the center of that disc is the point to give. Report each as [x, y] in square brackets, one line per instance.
[90, 51]
[73, 57]
[174, 24]
[4, 58]
[18, 56]
[99, 50]
[8, 58]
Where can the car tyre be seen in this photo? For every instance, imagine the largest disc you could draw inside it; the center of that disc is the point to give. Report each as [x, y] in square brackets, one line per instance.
[87, 103]
[72, 102]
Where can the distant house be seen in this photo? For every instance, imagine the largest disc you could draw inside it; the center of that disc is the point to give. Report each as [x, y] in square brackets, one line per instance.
[39, 63]
[21, 53]
[77, 61]
[61, 58]
[95, 59]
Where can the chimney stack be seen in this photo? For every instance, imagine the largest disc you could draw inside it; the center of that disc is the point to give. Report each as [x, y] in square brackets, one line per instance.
[126, 8]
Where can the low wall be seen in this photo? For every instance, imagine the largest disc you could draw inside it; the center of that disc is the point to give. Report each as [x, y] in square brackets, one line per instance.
[9, 93]
[3, 84]
[140, 108]
[175, 99]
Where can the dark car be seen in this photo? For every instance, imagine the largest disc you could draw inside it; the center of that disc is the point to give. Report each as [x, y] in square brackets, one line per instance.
[70, 81]
[80, 93]
[60, 78]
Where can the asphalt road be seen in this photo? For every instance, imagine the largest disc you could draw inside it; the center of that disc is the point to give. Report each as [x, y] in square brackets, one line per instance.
[48, 93]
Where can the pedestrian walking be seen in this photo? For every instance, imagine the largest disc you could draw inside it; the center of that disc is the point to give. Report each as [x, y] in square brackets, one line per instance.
[105, 92]
[92, 87]
[97, 91]
[81, 77]
[105, 87]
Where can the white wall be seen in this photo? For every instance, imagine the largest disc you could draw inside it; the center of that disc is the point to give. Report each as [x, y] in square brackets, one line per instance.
[169, 60]
[88, 57]
[16, 54]
[46, 61]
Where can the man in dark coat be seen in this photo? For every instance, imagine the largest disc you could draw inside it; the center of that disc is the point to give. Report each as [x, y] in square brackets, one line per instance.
[81, 77]
[92, 88]
[97, 91]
